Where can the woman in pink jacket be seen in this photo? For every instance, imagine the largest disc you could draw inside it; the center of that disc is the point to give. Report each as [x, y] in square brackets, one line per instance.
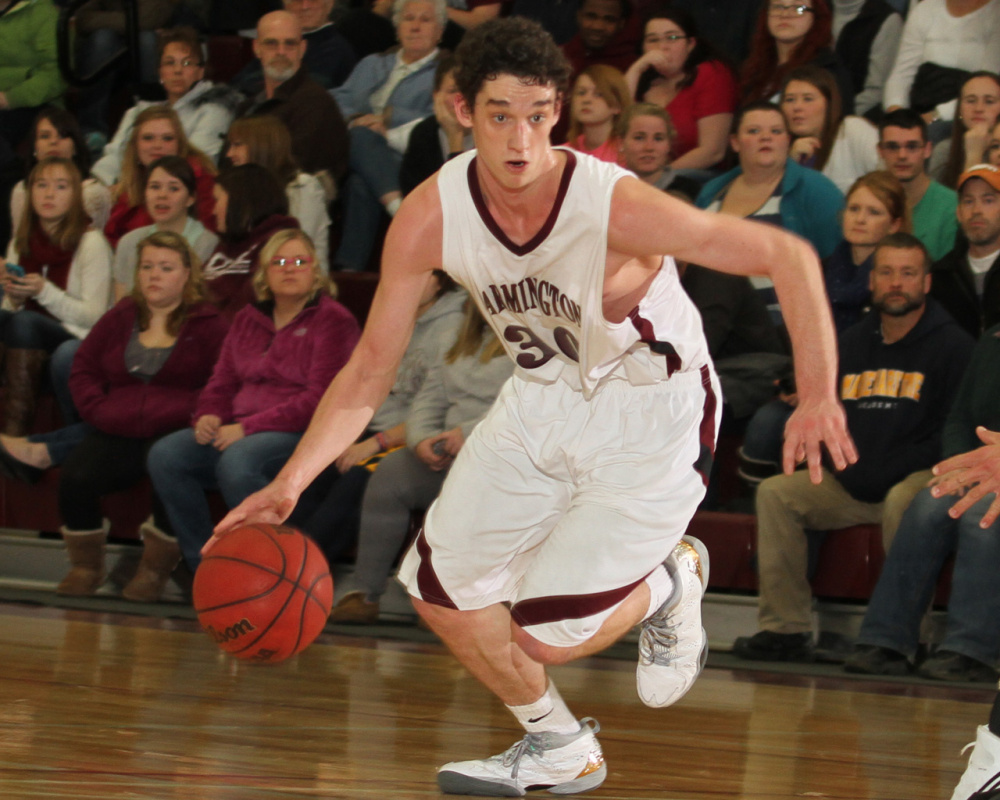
[276, 362]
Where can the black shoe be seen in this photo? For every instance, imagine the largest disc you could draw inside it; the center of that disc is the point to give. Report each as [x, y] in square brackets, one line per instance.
[945, 665]
[771, 646]
[18, 470]
[870, 659]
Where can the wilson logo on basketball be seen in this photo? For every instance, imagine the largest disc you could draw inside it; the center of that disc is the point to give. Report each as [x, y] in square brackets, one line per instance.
[233, 632]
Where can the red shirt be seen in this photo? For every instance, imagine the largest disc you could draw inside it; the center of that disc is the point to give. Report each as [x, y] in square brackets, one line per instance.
[713, 91]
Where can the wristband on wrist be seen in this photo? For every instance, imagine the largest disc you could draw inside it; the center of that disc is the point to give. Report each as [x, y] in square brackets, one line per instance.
[383, 443]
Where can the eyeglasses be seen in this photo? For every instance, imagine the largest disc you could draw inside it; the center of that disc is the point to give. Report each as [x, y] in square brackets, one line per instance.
[295, 263]
[670, 37]
[909, 147]
[187, 62]
[782, 10]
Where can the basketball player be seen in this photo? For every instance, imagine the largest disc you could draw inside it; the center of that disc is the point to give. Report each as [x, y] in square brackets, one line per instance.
[971, 477]
[559, 526]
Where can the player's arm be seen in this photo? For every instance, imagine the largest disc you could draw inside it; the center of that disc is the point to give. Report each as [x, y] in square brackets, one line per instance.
[645, 221]
[412, 251]
[972, 476]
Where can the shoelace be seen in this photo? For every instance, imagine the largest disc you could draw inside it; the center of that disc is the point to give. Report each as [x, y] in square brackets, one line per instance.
[535, 743]
[658, 645]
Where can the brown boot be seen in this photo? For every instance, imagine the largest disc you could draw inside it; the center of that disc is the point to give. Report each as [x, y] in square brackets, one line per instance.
[353, 609]
[160, 554]
[86, 557]
[24, 377]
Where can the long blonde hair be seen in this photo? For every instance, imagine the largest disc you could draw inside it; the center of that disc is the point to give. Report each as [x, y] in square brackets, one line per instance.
[70, 229]
[474, 332]
[194, 288]
[133, 178]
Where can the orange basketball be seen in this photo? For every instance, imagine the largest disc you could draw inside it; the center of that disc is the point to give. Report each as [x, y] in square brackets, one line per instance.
[263, 592]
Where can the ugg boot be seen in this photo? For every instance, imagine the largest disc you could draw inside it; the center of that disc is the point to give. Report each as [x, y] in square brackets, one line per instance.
[160, 554]
[24, 377]
[86, 557]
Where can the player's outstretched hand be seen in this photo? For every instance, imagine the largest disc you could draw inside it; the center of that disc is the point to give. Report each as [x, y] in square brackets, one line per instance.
[272, 504]
[972, 476]
[813, 425]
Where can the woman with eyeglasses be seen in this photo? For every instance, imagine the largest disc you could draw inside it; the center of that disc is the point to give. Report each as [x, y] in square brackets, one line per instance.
[942, 40]
[681, 72]
[276, 361]
[978, 110]
[205, 109]
[789, 34]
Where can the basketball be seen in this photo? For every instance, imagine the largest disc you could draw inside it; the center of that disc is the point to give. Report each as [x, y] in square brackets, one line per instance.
[263, 592]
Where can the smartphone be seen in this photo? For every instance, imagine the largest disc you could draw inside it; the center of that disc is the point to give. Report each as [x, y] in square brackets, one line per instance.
[15, 270]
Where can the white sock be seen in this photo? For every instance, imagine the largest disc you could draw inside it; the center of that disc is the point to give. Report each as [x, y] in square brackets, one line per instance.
[547, 714]
[661, 586]
[393, 206]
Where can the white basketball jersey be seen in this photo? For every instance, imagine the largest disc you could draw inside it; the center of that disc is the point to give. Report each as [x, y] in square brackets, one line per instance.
[544, 298]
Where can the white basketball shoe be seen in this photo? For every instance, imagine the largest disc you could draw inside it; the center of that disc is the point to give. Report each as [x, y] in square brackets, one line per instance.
[562, 763]
[981, 780]
[673, 645]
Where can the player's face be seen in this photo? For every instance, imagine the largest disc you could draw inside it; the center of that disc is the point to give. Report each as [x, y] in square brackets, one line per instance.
[866, 219]
[805, 108]
[898, 282]
[510, 123]
[762, 139]
[646, 145]
[979, 212]
[904, 151]
[161, 276]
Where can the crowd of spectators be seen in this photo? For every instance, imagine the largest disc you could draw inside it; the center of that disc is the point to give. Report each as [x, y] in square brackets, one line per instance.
[137, 222]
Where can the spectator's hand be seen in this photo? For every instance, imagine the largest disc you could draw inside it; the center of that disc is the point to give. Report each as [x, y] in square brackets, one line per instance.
[3, 100]
[206, 427]
[813, 425]
[20, 289]
[271, 505]
[791, 399]
[804, 148]
[656, 59]
[453, 441]
[374, 122]
[972, 476]
[930, 116]
[977, 138]
[227, 435]
[356, 453]
[434, 455]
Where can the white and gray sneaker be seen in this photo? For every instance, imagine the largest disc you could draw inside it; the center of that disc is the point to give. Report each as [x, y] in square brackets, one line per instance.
[562, 763]
[673, 645]
[981, 779]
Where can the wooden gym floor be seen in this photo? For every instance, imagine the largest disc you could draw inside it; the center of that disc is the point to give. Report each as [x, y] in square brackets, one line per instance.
[97, 705]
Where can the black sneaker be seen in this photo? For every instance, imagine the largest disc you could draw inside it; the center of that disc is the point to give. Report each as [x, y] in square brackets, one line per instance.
[945, 665]
[870, 659]
[771, 646]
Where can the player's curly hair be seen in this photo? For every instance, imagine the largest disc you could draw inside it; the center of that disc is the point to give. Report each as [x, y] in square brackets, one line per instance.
[510, 46]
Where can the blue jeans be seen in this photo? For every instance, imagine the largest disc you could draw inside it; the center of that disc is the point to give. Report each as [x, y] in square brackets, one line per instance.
[62, 441]
[29, 330]
[374, 173]
[765, 435]
[182, 470]
[925, 539]
[60, 366]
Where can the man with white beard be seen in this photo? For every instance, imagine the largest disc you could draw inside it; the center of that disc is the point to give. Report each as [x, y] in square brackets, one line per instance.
[319, 135]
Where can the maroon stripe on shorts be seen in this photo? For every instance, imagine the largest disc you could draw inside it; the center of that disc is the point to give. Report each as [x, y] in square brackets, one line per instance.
[430, 586]
[706, 431]
[540, 610]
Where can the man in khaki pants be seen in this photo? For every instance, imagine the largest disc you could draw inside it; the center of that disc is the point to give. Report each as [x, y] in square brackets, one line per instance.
[899, 369]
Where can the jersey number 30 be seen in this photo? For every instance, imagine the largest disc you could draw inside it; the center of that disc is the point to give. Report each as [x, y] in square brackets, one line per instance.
[535, 351]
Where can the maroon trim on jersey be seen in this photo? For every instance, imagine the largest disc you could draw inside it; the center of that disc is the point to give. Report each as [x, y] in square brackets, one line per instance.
[648, 336]
[706, 431]
[430, 586]
[521, 249]
[540, 610]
